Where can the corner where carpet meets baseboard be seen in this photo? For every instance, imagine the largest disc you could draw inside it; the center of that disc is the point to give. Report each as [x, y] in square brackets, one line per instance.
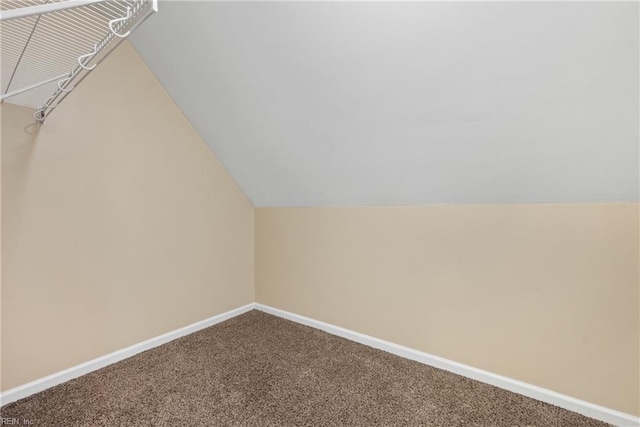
[588, 409]
[598, 412]
[49, 381]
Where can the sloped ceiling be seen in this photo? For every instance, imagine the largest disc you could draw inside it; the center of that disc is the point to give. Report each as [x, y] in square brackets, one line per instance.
[326, 103]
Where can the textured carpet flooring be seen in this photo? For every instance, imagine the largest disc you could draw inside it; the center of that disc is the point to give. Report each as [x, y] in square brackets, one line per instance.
[260, 370]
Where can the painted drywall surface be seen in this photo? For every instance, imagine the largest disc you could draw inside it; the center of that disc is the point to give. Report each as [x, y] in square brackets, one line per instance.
[546, 294]
[118, 222]
[378, 103]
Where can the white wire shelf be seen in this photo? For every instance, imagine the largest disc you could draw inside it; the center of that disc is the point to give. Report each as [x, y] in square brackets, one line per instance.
[48, 47]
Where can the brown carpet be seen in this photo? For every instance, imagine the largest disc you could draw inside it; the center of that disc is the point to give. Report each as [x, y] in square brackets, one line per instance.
[260, 370]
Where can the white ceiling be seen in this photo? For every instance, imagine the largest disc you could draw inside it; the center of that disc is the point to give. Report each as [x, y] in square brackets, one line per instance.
[329, 103]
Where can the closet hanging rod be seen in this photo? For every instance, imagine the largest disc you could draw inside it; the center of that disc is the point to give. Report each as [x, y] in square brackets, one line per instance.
[79, 35]
[136, 13]
[45, 8]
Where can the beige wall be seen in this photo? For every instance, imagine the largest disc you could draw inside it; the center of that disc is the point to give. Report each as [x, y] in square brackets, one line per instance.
[546, 294]
[118, 224]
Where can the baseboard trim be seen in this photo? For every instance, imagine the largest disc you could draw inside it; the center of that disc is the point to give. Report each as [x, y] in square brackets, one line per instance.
[588, 409]
[49, 381]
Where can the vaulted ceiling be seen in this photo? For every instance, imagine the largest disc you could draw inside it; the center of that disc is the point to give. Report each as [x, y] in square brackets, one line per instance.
[330, 103]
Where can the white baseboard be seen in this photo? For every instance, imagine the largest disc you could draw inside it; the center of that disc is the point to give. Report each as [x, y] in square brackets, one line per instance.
[598, 412]
[591, 410]
[44, 383]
